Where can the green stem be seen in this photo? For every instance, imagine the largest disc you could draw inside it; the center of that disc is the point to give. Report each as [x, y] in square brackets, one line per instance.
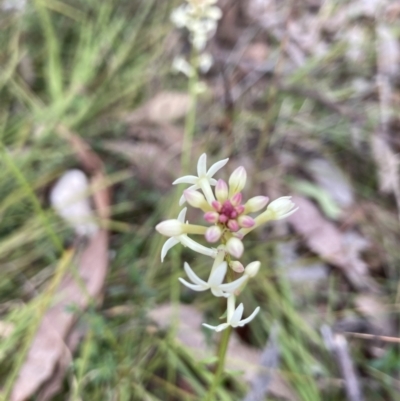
[222, 348]
[190, 122]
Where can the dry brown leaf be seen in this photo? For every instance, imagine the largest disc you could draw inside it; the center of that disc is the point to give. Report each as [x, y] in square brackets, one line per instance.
[323, 238]
[165, 107]
[49, 347]
[49, 352]
[239, 356]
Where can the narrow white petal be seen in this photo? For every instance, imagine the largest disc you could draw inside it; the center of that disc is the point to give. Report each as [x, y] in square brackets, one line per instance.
[287, 214]
[250, 318]
[234, 285]
[182, 215]
[193, 276]
[215, 167]
[194, 287]
[218, 293]
[217, 276]
[237, 315]
[169, 243]
[195, 246]
[187, 179]
[202, 165]
[221, 327]
[212, 181]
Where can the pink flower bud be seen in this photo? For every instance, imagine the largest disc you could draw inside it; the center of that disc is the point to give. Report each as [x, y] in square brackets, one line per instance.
[235, 247]
[237, 180]
[252, 268]
[236, 266]
[216, 205]
[213, 234]
[239, 209]
[170, 228]
[211, 217]
[221, 190]
[233, 225]
[246, 221]
[223, 218]
[236, 199]
[255, 204]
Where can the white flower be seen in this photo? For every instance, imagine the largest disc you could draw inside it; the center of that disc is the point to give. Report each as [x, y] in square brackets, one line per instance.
[204, 178]
[234, 316]
[282, 207]
[181, 65]
[205, 62]
[214, 282]
[69, 198]
[185, 241]
[276, 210]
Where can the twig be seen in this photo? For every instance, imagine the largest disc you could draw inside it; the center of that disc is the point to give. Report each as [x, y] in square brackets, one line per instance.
[337, 344]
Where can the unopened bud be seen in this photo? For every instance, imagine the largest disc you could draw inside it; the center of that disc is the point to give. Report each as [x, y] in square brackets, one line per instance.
[211, 217]
[221, 190]
[281, 207]
[246, 221]
[237, 180]
[236, 266]
[236, 199]
[235, 247]
[196, 199]
[170, 228]
[233, 225]
[256, 204]
[252, 268]
[213, 233]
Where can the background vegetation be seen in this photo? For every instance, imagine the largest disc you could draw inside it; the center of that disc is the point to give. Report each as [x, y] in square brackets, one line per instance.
[304, 95]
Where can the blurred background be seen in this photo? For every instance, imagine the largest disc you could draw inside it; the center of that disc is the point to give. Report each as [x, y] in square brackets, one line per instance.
[304, 94]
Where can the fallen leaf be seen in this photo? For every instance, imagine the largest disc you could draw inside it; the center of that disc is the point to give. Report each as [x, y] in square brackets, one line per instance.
[329, 177]
[165, 107]
[324, 238]
[49, 353]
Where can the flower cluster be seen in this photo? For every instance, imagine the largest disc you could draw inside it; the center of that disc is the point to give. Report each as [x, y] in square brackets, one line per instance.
[230, 221]
[200, 18]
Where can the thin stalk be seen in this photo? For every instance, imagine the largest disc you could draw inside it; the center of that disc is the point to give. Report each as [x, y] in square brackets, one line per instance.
[190, 122]
[222, 349]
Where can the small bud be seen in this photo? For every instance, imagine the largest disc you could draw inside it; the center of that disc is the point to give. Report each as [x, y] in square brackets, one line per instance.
[235, 247]
[233, 225]
[236, 199]
[237, 180]
[213, 233]
[221, 190]
[216, 205]
[170, 228]
[196, 199]
[236, 266]
[211, 217]
[256, 204]
[252, 268]
[223, 218]
[281, 207]
[246, 221]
